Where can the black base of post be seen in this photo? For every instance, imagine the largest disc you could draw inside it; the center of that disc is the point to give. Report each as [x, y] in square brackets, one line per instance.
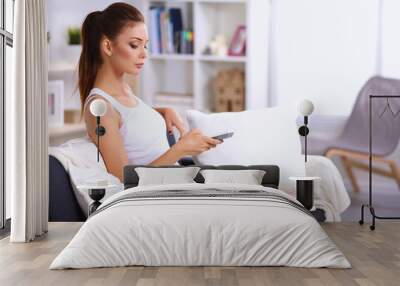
[304, 193]
[371, 208]
[373, 215]
[96, 195]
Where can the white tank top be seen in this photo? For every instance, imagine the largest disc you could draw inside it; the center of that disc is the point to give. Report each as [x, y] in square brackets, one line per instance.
[143, 129]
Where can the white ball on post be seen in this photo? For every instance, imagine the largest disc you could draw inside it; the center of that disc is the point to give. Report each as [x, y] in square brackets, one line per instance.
[305, 107]
[98, 107]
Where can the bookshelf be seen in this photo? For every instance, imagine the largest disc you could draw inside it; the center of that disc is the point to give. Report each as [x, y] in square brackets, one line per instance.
[191, 75]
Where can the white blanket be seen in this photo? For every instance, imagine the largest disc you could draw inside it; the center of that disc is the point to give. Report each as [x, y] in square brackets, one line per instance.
[79, 159]
[330, 193]
[182, 231]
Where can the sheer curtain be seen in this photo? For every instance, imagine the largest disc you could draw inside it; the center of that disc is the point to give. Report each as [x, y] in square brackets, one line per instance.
[26, 117]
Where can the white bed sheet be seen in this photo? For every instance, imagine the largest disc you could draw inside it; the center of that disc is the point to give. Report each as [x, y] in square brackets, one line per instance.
[207, 231]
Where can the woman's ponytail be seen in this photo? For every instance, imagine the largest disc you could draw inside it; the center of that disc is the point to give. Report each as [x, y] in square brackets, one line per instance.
[90, 59]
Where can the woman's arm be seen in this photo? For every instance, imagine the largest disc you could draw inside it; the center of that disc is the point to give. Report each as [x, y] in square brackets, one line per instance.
[161, 110]
[169, 158]
[111, 143]
[192, 143]
[113, 151]
[172, 119]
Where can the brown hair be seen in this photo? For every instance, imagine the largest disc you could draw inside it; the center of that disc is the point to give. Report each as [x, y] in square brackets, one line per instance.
[109, 23]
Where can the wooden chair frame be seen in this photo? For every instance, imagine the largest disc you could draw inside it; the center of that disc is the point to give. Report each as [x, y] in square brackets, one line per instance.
[351, 159]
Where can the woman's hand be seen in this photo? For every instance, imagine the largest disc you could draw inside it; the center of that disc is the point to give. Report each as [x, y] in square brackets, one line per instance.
[172, 119]
[194, 143]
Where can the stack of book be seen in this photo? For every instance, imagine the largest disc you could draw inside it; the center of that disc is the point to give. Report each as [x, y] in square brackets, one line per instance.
[167, 34]
[179, 101]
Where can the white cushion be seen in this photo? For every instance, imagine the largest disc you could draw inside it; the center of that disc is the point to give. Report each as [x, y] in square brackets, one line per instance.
[162, 176]
[248, 177]
[264, 136]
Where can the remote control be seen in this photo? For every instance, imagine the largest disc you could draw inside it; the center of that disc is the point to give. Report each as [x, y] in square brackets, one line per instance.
[223, 136]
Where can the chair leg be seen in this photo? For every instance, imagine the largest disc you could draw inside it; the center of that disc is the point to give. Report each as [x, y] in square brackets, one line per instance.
[350, 173]
[395, 172]
[330, 153]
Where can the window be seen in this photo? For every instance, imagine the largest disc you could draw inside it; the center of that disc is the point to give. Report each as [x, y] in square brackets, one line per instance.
[9, 15]
[6, 64]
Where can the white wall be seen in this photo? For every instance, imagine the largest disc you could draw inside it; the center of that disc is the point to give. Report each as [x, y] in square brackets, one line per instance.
[324, 50]
[258, 30]
[391, 38]
[62, 14]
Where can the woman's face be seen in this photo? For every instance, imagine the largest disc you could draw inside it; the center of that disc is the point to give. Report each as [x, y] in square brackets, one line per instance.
[129, 49]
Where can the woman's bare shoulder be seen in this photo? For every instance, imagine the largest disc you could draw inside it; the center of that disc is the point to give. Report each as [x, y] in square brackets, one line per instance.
[111, 147]
[112, 117]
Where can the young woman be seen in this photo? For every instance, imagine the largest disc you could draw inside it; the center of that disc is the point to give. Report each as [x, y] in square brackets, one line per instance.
[114, 43]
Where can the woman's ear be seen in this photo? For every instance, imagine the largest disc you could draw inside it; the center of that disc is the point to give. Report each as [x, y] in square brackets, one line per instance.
[106, 47]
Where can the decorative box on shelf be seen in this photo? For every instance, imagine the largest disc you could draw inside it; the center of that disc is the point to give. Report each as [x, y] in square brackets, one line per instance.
[72, 116]
[229, 89]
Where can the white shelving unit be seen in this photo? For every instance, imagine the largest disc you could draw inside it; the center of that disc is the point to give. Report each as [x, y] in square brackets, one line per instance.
[65, 132]
[192, 74]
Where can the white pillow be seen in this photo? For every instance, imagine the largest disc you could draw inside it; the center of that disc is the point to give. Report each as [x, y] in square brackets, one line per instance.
[162, 176]
[248, 177]
[265, 136]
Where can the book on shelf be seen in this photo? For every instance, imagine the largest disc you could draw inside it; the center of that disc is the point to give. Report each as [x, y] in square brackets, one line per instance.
[164, 31]
[177, 27]
[167, 34]
[187, 42]
[154, 40]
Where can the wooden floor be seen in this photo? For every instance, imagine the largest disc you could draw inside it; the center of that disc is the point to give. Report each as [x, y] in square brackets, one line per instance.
[375, 257]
